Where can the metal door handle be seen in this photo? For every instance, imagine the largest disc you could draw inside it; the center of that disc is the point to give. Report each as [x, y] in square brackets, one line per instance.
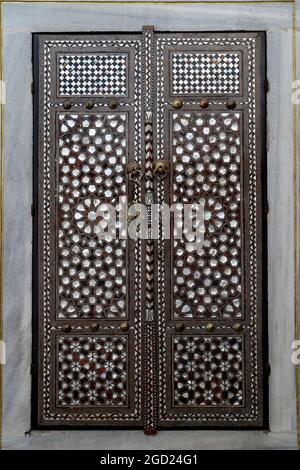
[161, 168]
[134, 171]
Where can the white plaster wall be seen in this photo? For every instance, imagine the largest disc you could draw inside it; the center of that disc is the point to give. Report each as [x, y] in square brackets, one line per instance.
[19, 21]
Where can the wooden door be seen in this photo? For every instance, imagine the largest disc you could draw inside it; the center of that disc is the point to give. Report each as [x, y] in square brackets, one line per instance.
[148, 332]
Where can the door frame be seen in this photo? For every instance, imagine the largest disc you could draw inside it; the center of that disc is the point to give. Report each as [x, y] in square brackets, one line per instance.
[262, 219]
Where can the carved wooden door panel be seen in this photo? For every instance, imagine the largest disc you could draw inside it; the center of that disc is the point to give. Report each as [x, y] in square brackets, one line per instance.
[149, 332]
[210, 300]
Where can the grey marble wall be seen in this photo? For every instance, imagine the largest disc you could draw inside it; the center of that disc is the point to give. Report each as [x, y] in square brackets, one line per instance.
[19, 21]
[297, 32]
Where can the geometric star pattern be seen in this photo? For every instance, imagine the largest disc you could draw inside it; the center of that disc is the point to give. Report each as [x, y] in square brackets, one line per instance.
[92, 370]
[91, 175]
[206, 167]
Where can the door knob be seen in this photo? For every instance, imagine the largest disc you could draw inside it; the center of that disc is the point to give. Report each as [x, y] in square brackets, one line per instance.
[203, 103]
[210, 327]
[67, 104]
[133, 170]
[124, 326]
[230, 104]
[179, 326]
[161, 168]
[66, 328]
[95, 326]
[237, 327]
[113, 104]
[89, 104]
[177, 103]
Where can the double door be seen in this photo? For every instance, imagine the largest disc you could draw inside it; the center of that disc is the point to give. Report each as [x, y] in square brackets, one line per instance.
[149, 331]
